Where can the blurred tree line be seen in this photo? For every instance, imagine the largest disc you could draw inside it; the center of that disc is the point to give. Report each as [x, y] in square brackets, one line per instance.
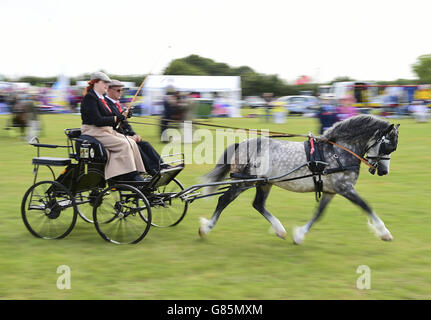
[49, 81]
[252, 82]
[422, 68]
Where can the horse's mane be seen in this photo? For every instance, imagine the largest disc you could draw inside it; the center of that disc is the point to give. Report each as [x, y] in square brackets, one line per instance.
[357, 128]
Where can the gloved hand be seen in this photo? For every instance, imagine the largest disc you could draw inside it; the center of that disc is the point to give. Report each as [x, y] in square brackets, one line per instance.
[130, 114]
[125, 114]
[120, 118]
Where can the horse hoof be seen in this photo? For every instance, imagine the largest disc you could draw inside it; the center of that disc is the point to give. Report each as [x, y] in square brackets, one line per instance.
[387, 237]
[203, 229]
[282, 235]
[298, 236]
[201, 233]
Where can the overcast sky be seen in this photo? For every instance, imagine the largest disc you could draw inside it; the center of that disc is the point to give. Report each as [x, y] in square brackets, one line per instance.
[366, 40]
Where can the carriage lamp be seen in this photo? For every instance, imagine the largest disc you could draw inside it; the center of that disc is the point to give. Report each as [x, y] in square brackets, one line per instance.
[85, 151]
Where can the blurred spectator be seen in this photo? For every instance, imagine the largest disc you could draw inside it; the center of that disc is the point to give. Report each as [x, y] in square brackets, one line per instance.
[419, 110]
[346, 109]
[3, 102]
[279, 111]
[74, 99]
[169, 106]
[192, 104]
[18, 110]
[12, 100]
[24, 112]
[31, 106]
[181, 107]
[403, 102]
[327, 114]
[219, 106]
[44, 96]
[268, 97]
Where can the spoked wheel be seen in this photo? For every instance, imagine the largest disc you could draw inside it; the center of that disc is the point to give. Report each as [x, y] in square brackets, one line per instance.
[85, 200]
[167, 211]
[122, 214]
[48, 210]
[85, 203]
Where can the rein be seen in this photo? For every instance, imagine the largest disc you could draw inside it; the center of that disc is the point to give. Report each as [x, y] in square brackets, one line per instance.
[273, 134]
[352, 153]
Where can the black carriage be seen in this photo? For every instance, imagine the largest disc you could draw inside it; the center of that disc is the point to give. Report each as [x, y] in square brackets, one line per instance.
[121, 211]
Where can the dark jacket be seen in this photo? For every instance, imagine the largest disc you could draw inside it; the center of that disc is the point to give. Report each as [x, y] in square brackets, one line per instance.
[124, 127]
[94, 112]
[327, 117]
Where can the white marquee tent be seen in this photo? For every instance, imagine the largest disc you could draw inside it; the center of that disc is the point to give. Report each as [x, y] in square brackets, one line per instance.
[228, 86]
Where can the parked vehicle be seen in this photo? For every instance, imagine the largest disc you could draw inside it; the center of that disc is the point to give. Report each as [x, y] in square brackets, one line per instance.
[254, 102]
[324, 92]
[299, 104]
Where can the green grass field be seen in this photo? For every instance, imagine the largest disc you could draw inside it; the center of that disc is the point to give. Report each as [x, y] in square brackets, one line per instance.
[239, 259]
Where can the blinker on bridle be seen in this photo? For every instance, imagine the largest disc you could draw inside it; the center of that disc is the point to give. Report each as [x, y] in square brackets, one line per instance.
[381, 153]
[374, 159]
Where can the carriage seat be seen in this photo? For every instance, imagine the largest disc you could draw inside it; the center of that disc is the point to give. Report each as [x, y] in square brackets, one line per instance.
[89, 149]
[51, 161]
[73, 133]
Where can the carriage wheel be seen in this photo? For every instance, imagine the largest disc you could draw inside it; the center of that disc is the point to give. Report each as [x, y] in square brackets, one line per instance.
[85, 203]
[122, 214]
[86, 200]
[48, 210]
[167, 211]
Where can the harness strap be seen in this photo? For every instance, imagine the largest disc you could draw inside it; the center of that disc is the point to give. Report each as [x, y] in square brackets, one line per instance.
[312, 146]
[352, 153]
[318, 186]
[316, 163]
[340, 166]
[340, 169]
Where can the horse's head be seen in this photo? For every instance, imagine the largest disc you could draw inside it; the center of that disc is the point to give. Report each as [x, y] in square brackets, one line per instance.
[379, 154]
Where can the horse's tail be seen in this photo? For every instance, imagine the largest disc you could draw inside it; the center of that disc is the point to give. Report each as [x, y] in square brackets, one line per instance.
[221, 169]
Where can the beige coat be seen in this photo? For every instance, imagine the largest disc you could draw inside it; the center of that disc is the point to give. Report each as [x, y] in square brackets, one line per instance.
[123, 153]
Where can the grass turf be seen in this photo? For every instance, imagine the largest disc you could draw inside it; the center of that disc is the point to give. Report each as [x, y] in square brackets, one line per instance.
[239, 259]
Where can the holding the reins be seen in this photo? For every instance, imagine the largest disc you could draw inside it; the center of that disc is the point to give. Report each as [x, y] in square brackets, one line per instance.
[98, 120]
[151, 159]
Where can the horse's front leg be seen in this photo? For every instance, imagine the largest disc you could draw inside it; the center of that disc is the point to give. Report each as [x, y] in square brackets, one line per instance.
[300, 232]
[376, 223]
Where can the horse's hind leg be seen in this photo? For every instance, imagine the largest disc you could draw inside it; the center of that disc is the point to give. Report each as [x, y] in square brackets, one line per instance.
[300, 232]
[377, 224]
[231, 194]
[262, 192]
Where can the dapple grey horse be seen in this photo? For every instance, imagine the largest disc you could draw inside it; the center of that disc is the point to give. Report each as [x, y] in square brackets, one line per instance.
[268, 157]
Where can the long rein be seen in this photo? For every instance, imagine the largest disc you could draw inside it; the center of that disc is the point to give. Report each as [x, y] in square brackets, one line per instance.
[272, 134]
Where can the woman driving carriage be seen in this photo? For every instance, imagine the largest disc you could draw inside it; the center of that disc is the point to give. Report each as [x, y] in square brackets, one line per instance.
[98, 120]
